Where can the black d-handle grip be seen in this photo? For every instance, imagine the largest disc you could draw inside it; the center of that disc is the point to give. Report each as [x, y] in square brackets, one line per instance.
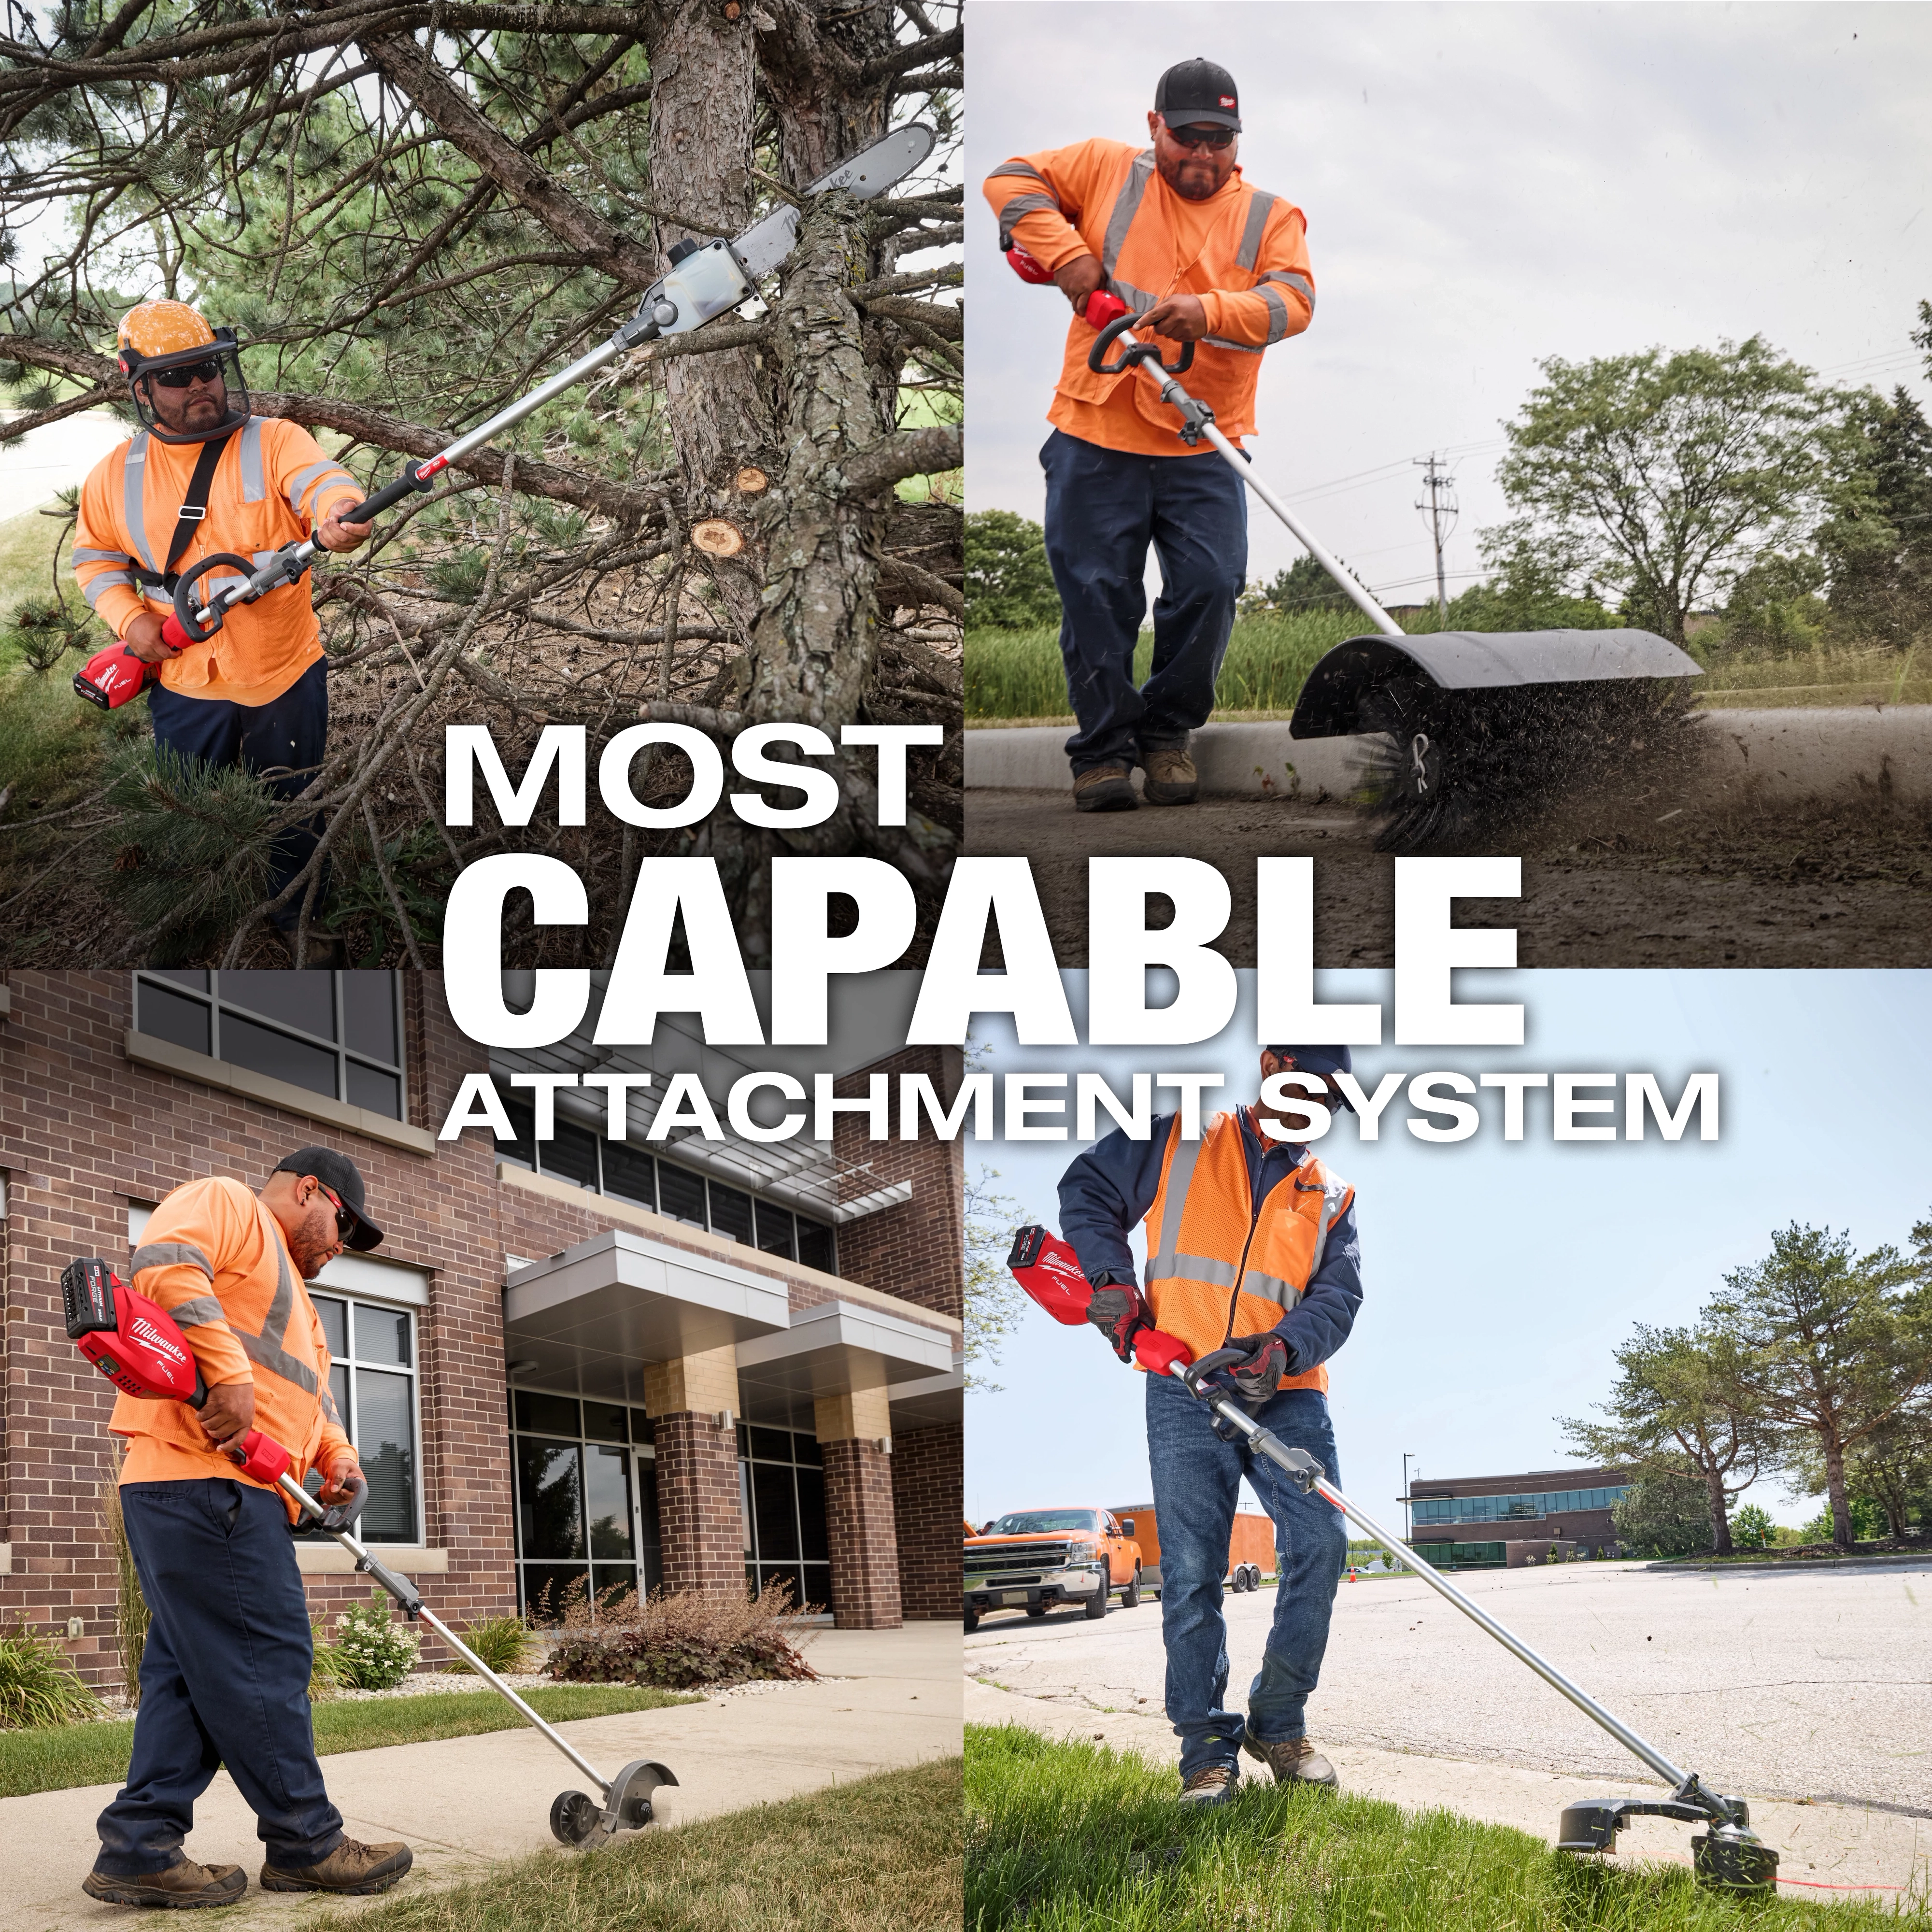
[405, 485]
[1196, 1373]
[1140, 352]
[184, 599]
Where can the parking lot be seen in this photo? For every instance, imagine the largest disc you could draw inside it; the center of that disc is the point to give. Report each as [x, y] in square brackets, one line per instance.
[1793, 1683]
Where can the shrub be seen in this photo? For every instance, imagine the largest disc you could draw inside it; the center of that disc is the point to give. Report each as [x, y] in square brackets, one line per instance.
[679, 1638]
[502, 1642]
[325, 1673]
[131, 1609]
[373, 1652]
[39, 1687]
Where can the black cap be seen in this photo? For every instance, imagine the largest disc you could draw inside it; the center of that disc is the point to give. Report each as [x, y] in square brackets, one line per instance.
[340, 1175]
[1197, 90]
[1329, 1059]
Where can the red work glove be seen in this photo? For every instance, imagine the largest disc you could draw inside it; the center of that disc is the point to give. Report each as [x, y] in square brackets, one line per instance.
[1257, 1378]
[1120, 1314]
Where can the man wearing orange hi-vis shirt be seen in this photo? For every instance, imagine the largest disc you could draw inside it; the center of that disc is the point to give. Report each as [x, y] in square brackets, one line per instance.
[225, 1671]
[203, 475]
[1251, 1245]
[1175, 233]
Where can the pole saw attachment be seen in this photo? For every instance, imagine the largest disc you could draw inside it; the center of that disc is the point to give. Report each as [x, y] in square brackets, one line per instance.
[706, 280]
[138, 1346]
[1729, 1856]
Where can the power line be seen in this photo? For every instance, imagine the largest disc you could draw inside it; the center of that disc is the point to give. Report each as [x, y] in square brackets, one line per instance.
[1438, 482]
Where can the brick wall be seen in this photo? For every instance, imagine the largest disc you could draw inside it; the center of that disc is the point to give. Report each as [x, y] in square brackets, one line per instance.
[929, 1500]
[917, 1249]
[700, 1527]
[859, 1528]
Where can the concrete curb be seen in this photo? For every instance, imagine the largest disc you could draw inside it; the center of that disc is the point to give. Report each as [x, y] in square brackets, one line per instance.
[1851, 756]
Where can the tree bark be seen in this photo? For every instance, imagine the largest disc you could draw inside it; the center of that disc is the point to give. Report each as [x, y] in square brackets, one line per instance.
[1721, 1521]
[1834, 1488]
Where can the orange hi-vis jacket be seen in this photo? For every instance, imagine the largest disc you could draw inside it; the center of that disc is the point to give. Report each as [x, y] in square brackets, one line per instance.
[1244, 253]
[1221, 1265]
[274, 483]
[217, 1260]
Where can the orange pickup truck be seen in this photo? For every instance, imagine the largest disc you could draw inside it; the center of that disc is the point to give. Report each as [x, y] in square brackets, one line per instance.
[1250, 1548]
[1035, 1559]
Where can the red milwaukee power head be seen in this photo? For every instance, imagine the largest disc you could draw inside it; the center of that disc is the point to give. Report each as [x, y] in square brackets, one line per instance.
[257, 1456]
[133, 1341]
[1047, 1268]
[116, 676]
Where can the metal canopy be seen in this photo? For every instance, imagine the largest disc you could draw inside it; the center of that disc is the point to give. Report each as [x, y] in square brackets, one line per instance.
[812, 1358]
[1329, 705]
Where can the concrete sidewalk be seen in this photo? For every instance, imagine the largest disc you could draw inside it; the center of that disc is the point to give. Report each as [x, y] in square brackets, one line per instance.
[1844, 1851]
[885, 1699]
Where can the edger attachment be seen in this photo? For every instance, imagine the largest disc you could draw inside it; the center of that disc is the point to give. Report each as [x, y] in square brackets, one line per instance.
[1730, 1855]
[137, 1344]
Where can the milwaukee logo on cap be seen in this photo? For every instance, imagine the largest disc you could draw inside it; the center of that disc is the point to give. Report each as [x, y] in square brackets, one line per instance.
[1227, 100]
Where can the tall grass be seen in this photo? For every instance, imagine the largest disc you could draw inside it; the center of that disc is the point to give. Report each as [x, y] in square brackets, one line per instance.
[39, 1686]
[130, 1609]
[1017, 673]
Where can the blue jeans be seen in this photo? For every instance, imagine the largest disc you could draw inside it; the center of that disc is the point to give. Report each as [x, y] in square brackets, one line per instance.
[290, 731]
[224, 1678]
[1103, 508]
[1197, 1478]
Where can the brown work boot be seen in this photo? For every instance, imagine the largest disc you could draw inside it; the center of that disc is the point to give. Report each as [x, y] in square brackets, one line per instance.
[1105, 788]
[1212, 1784]
[1293, 1761]
[182, 1887]
[1171, 778]
[350, 1868]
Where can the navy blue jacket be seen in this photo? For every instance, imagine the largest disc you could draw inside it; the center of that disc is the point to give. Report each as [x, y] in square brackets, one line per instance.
[1108, 1191]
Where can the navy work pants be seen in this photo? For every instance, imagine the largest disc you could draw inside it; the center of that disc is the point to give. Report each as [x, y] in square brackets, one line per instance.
[285, 738]
[1103, 509]
[224, 1678]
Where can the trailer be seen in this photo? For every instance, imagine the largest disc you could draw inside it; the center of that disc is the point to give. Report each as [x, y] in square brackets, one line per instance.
[1251, 1555]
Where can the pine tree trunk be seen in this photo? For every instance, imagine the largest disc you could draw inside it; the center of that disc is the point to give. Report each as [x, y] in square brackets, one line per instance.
[1721, 1521]
[1835, 1486]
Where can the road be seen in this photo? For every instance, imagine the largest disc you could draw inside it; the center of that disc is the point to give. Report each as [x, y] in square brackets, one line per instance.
[1795, 1683]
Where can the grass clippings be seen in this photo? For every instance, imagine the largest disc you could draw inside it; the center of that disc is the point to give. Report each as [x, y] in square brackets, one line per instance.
[1076, 1837]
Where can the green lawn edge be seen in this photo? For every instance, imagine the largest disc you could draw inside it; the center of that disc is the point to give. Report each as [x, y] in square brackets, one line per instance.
[881, 1854]
[1080, 1837]
[73, 1755]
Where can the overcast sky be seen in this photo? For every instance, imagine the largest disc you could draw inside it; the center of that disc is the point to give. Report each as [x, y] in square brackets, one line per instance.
[1485, 186]
[1499, 1277]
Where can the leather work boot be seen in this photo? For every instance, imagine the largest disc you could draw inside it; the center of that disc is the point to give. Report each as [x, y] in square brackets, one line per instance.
[1212, 1784]
[1294, 1761]
[1105, 788]
[183, 1886]
[350, 1868]
[1171, 778]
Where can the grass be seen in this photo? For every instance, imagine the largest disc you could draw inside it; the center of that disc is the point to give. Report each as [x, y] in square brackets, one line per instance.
[1832, 676]
[1074, 1838]
[78, 1754]
[881, 1854]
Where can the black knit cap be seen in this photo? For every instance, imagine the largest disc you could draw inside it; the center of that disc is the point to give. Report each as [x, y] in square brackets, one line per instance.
[339, 1173]
[1193, 91]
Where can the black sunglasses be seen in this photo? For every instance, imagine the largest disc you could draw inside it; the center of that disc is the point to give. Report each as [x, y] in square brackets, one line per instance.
[345, 1222]
[209, 371]
[1217, 138]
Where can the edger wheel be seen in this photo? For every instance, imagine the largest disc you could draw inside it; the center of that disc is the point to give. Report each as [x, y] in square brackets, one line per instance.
[573, 1817]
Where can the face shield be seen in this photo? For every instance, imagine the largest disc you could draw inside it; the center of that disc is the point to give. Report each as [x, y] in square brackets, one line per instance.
[189, 395]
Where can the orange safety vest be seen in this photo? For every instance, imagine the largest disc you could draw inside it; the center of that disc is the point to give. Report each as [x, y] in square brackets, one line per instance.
[272, 483]
[217, 1261]
[1220, 1266]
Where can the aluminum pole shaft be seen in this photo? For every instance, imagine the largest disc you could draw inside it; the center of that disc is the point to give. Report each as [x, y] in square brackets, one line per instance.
[1265, 1444]
[515, 413]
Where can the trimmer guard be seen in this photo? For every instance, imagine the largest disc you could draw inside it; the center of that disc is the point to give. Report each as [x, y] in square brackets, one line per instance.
[1329, 705]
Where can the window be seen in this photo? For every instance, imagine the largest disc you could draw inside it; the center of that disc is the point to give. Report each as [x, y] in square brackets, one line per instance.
[627, 1173]
[782, 1498]
[1514, 1509]
[373, 1377]
[586, 1509]
[335, 1034]
[1464, 1555]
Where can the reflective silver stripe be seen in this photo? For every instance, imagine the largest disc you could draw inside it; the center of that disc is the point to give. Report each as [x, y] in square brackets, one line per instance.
[284, 1305]
[263, 557]
[99, 557]
[1250, 252]
[1180, 1178]
[1125, 208]
[266, 1355]
[253, 487]
[1020, 168]
[93, 588]
[193, 1314]
[1139, 300]
[300, 481]
[265, 1348]
[1301, 284]
[134, 504]
[1239, 348]
[329, 1409]
[1268, 1288]
[1026, 204]
[1278, 315]
[171, 1254]
[1201, 1267]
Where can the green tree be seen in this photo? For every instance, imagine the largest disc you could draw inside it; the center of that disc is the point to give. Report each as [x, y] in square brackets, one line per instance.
[1009, 582]
[1662, 477]
[1303, 586]
[1672, 1413]
[1752, 1528]
[994, 1301]
[1525, 593]
[1825, 1344]
[1664, 1515]
[1875, 545]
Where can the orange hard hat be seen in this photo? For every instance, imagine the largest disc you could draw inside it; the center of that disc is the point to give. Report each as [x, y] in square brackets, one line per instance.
[156, 328]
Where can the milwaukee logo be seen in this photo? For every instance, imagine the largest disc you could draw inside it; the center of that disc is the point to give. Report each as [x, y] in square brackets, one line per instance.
[1228, 101]
[145, 1331]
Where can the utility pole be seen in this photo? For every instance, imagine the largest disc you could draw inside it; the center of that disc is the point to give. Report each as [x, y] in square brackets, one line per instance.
[1408, 1455]
[1438, 482]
